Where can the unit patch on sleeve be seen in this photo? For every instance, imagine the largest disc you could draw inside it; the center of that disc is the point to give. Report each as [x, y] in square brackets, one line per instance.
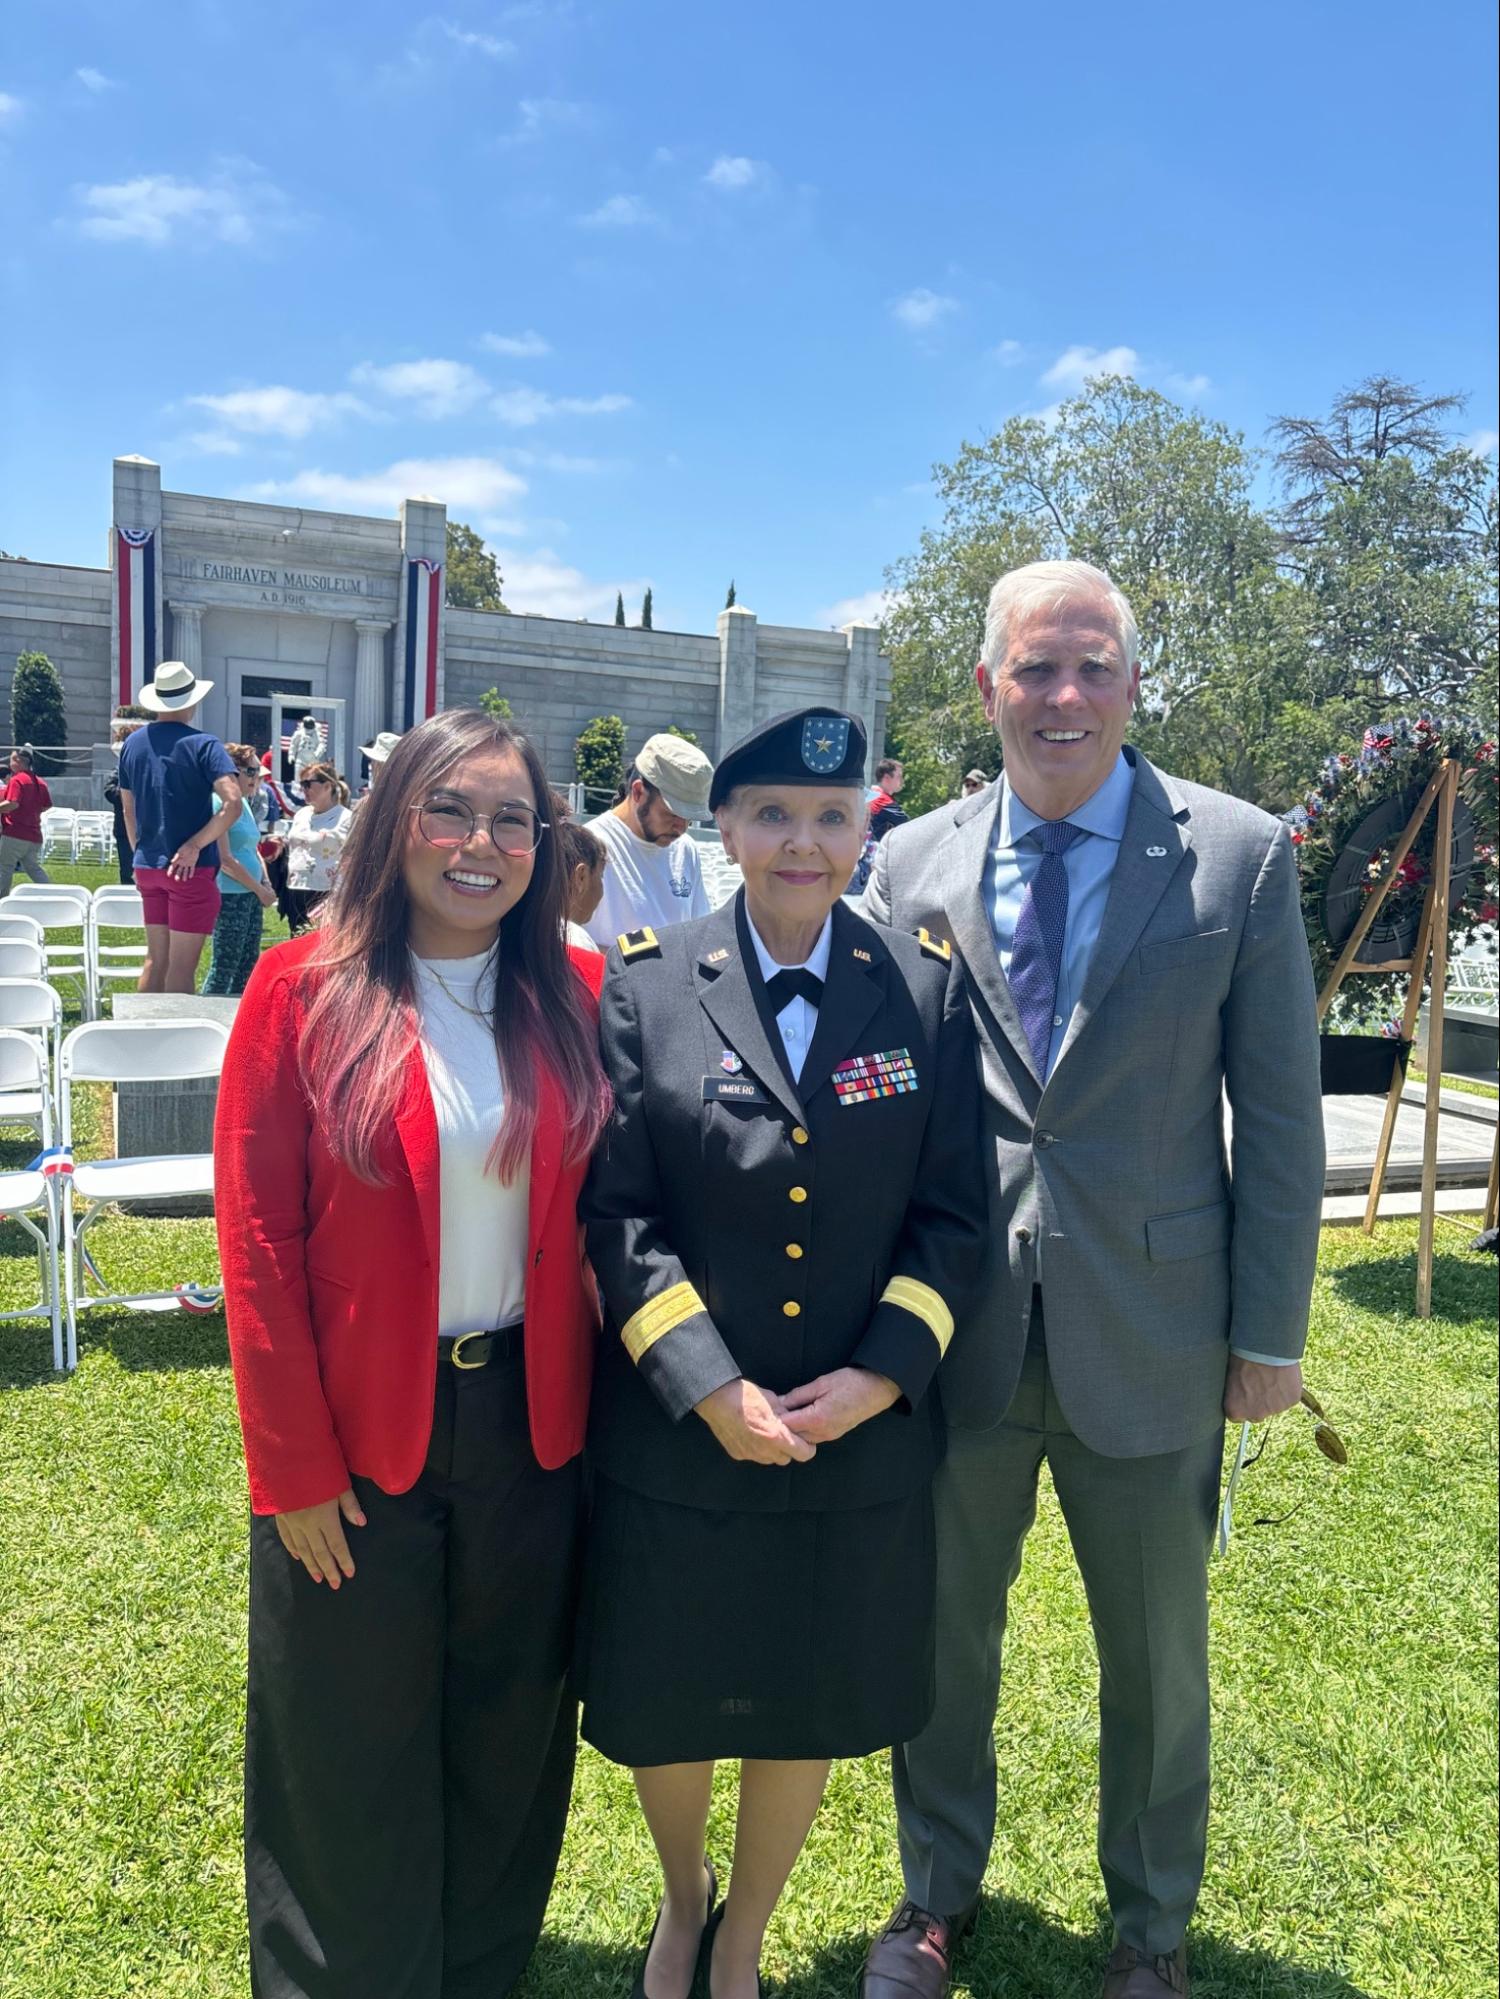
[863, 1078]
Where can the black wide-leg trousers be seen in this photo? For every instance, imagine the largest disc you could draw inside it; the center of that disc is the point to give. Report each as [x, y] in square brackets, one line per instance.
[409, 1737]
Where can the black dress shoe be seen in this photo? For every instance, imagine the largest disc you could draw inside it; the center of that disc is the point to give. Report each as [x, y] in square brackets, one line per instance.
[638, 1990]
[707, 1956]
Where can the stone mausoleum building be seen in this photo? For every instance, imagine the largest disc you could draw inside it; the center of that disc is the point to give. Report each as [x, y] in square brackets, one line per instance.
[286, 609]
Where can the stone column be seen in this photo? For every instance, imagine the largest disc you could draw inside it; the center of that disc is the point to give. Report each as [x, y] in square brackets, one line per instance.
[136, 508]
[862, 681]
[737, 661]
[424, 536]
[187, 634]
[369, 669]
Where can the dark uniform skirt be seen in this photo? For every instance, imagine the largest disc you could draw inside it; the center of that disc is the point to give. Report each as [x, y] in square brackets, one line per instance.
[784, 1636]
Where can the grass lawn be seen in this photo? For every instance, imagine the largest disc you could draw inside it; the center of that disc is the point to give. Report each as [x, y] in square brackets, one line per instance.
[1353, 1846]
[1468, 1086]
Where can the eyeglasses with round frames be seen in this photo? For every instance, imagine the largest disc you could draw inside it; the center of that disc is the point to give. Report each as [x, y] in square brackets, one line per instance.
[447, 822]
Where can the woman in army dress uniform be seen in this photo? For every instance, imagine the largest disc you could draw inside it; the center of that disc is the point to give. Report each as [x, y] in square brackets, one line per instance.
[785, 1215]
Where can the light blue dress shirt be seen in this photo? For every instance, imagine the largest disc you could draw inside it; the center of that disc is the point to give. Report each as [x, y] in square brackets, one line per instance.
[1090, 863]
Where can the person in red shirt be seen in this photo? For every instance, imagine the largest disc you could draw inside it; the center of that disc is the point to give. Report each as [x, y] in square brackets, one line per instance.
[409, 1099]
[22, 804]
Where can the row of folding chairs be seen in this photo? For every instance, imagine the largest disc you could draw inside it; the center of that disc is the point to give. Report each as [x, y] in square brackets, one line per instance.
[33, 911]
[57, 1200]
[77, 836]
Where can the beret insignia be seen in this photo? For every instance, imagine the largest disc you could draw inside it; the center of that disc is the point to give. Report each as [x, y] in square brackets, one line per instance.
[825, 743]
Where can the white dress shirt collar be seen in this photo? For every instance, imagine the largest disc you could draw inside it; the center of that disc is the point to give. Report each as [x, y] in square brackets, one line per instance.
[815, 962]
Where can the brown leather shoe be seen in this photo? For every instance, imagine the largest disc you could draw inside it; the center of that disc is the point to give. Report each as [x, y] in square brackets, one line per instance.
[912, 1958]
[1130, 1974]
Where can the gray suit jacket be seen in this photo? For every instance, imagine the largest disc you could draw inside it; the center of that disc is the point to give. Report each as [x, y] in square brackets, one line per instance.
[1159, 1248]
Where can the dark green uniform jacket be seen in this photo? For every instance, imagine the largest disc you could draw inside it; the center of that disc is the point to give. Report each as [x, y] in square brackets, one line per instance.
[743, 1225]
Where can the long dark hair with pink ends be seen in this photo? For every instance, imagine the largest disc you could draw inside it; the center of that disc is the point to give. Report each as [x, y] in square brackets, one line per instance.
[361, 1021]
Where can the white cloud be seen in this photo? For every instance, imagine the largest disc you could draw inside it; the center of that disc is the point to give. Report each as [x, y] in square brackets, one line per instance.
[524, 407]
[546, 587]
[467, 485]
[527, 346]
[479, 44]
[95, 80]
[1008, 353]
[1482, 443]
[621, 211]
[536, 117]
[1077, 365]
[215, 444]
[235, 205]
[436, 388]
[10, 108]
[733, 171]
[920, 310]
[1191, 386]
[278, 411]
[868, 608]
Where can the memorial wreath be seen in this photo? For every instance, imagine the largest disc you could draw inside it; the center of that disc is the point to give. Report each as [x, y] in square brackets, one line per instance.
[1351, 819]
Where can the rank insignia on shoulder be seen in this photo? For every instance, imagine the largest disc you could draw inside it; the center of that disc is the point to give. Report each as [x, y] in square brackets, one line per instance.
[639, 944]
[935, 947]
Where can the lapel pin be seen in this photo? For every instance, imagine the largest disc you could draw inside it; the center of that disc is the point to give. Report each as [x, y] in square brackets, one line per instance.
[863, 956]
[730, 1063]
[1156, 853]
[716, 957]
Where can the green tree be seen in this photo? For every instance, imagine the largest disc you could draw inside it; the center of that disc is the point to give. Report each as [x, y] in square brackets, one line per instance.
[1157, 495]
[619, 607]
[646, 612]
[1391, 529]
[684, 735]
[473, 574]
[38, 713]
[599, 755]
[495, 705]
[729, 600]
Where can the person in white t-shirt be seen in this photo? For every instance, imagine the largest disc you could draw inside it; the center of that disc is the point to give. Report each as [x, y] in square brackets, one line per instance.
[653, 877]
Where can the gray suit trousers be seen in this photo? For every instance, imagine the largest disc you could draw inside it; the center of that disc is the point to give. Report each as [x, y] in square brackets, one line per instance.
[1141, 1529]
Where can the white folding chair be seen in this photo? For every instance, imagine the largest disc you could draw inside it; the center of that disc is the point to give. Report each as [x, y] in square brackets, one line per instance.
[21, 959]
[63, 908]
[71, 891]
[114, 908]
[32, 1191]
[31, 1006]
[126, 1051]
[57, 831]
[92, 836]
[12, 924]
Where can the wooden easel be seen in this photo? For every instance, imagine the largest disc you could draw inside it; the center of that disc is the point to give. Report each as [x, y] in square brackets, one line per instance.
[1431, 947]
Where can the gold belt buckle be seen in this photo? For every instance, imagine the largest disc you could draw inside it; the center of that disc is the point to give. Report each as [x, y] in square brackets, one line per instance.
[456, 1356]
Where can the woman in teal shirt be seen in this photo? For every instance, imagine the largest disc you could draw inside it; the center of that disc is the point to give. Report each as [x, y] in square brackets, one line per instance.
[246, 893]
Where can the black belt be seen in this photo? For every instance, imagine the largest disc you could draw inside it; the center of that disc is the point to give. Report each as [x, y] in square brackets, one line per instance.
[467, 1351]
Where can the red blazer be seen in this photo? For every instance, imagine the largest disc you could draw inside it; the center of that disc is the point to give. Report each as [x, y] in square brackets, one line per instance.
[330, 1285]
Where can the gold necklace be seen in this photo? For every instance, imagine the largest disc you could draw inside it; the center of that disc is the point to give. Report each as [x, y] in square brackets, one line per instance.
[474, 1012]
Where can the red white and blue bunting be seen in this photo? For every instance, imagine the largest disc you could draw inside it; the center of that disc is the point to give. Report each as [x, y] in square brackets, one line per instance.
[424, 614]
[135, 607]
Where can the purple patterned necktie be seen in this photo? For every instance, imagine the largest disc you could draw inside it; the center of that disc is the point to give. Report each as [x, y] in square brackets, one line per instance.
[1036, 951]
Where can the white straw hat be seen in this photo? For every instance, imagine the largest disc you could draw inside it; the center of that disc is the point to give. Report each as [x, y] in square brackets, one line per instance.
[174, 687]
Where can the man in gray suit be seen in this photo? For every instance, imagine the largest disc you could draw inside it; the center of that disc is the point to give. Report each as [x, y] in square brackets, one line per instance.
[1135, 952]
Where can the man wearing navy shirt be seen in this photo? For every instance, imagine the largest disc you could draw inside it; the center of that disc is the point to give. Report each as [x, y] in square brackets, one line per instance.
[180, 796]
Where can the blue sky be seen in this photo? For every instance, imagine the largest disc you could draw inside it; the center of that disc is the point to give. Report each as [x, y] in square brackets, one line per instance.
[671, 293]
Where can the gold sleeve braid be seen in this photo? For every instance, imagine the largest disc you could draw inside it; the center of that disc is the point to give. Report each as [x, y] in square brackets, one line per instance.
[918, 1298]
[662, 1315]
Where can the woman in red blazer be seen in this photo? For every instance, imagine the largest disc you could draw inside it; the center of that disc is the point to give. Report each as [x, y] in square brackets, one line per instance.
[406, 1112]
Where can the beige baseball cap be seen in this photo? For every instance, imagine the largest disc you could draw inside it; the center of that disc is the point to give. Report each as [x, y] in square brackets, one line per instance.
[680, 771]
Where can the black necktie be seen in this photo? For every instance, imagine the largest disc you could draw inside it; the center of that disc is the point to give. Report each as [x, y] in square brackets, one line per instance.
[784, 987]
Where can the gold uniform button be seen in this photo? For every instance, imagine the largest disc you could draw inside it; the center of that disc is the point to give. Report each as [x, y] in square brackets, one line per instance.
[792, 1309]
[799, 1136]
[794, 1250]
[796, 1194]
